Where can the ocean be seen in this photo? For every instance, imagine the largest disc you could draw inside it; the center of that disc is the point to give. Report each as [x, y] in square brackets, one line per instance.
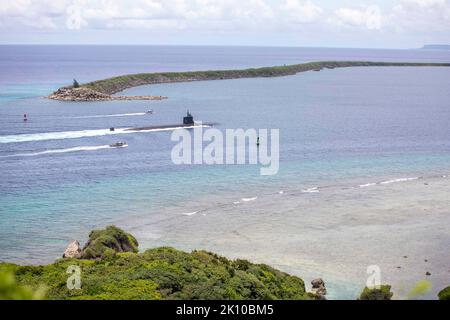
[353, 141]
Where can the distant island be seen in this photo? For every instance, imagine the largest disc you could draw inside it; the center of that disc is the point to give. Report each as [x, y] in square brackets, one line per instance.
[104, 90]
[436, 47]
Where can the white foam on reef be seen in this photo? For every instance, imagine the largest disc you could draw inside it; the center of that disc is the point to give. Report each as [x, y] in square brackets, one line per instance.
[249, 199]
[236, 202]
[399, 180]
[367, 185]
[56, 151]
[29, 137]
[189, 213]
[112, 115]
[311, 190]
[281, 192]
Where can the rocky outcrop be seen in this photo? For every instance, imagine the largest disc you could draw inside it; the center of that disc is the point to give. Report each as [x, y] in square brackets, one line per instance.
[86, 94]
[73, 250]
[108, 241]
[102, 243]
[319, 289]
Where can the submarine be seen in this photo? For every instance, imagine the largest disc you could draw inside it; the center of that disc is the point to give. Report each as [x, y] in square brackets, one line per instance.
[188, 122]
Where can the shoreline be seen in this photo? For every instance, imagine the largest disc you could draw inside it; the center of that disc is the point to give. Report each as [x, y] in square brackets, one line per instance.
[104, 90]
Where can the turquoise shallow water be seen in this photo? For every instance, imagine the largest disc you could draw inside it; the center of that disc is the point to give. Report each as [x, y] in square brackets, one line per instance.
[337, 128]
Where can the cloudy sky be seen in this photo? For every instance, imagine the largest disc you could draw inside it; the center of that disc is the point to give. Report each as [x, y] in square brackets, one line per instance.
[319, 23]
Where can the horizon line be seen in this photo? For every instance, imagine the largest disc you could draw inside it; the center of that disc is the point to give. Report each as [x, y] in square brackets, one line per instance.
[214, 45]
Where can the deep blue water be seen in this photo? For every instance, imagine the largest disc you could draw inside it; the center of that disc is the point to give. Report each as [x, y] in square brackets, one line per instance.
[334, 125]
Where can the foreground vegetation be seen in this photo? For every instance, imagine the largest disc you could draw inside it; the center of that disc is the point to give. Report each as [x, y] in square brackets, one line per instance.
[444, 294]
[110, 268]
[115, 271]
[120, 83]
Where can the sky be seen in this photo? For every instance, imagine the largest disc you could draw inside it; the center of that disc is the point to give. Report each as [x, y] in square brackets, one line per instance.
[304, 23]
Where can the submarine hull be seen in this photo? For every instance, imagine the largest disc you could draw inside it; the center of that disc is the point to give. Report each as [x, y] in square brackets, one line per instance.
[168, 126]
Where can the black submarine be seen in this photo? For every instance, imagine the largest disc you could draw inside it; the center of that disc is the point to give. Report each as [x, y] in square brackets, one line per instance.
[188, 122]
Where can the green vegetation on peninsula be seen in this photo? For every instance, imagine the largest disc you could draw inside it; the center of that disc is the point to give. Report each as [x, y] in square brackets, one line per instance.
[106, 88]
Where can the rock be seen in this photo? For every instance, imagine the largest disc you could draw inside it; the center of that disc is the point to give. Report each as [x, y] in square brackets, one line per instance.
[318, 288]
[86, 94]
[79, 94]
[73, 250]
[111, 240]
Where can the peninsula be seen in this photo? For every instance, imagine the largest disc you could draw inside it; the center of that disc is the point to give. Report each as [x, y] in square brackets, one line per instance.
[104, 90]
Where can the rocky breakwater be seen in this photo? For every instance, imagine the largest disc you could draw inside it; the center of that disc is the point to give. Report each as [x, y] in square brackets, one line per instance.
[86, 94]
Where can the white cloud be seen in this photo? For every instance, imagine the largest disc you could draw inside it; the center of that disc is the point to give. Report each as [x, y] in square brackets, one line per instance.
[37, 14]
[421, 16]
[142, 13]
[402, 17]
[369, 17]
[300, 12]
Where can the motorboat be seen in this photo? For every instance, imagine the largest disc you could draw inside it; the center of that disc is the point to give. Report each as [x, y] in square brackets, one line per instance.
[119, 144]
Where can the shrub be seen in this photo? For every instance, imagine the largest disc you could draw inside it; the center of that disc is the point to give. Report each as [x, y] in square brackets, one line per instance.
[107, 242]
[382, 293]
[11, 290]
[444, 294]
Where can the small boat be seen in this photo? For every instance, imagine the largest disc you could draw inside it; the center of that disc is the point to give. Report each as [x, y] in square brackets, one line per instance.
[119, 144]
[149, 111]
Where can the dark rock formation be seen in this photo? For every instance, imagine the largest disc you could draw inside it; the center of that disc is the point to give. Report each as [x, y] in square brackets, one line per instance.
[318, 288]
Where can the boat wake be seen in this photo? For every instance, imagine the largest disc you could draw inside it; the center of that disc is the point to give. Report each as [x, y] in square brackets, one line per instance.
[29, 137]
[56, 151]
[112, 115]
